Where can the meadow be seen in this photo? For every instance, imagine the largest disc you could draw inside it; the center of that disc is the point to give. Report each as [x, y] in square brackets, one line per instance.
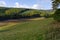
[43, 29]
[28, 24]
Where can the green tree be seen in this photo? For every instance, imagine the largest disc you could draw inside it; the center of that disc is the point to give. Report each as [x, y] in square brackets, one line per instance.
[13, 12]
[30, 13]
[55, 4]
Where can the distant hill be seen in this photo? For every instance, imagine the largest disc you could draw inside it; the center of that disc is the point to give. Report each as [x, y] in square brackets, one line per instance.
[22, 9]
[6, 12]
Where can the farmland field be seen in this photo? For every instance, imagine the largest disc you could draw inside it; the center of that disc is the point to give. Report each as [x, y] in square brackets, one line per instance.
[30, 30]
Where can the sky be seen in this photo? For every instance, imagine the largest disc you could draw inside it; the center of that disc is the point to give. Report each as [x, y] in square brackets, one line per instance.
[33, 4]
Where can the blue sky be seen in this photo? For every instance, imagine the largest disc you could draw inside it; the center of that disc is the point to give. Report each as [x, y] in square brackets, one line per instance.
[34, 4]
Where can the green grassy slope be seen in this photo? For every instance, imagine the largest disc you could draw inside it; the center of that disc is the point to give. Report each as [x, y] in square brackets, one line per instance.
[30, 30]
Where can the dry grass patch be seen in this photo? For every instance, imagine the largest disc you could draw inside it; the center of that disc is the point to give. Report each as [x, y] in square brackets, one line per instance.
[37, 18]
[6, 25]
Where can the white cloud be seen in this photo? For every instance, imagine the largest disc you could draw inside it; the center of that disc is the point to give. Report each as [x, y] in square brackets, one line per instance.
[34, 6]
[17, 5]
[2, 4]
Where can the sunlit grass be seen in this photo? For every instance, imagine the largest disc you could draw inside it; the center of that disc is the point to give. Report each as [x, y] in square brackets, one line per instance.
[29, 30]
[7, 26]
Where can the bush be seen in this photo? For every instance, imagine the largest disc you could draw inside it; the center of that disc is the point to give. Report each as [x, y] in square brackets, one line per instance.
[47, 15]
[36, 15]
[31, 14]
[56, 15]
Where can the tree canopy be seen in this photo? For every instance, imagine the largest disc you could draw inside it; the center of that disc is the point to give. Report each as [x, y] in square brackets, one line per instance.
[55, 4]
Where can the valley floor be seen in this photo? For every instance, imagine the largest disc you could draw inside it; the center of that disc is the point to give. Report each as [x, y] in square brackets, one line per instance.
[36, 29]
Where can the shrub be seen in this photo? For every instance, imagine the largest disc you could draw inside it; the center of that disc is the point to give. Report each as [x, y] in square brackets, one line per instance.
[46, 15]
[56, 15]
[31, 14]
[36, 15]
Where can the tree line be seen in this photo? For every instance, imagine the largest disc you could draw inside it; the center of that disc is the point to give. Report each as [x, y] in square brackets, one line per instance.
[15, 13]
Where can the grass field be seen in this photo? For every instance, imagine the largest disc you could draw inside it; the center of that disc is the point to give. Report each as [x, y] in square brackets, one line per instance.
[30, 30]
